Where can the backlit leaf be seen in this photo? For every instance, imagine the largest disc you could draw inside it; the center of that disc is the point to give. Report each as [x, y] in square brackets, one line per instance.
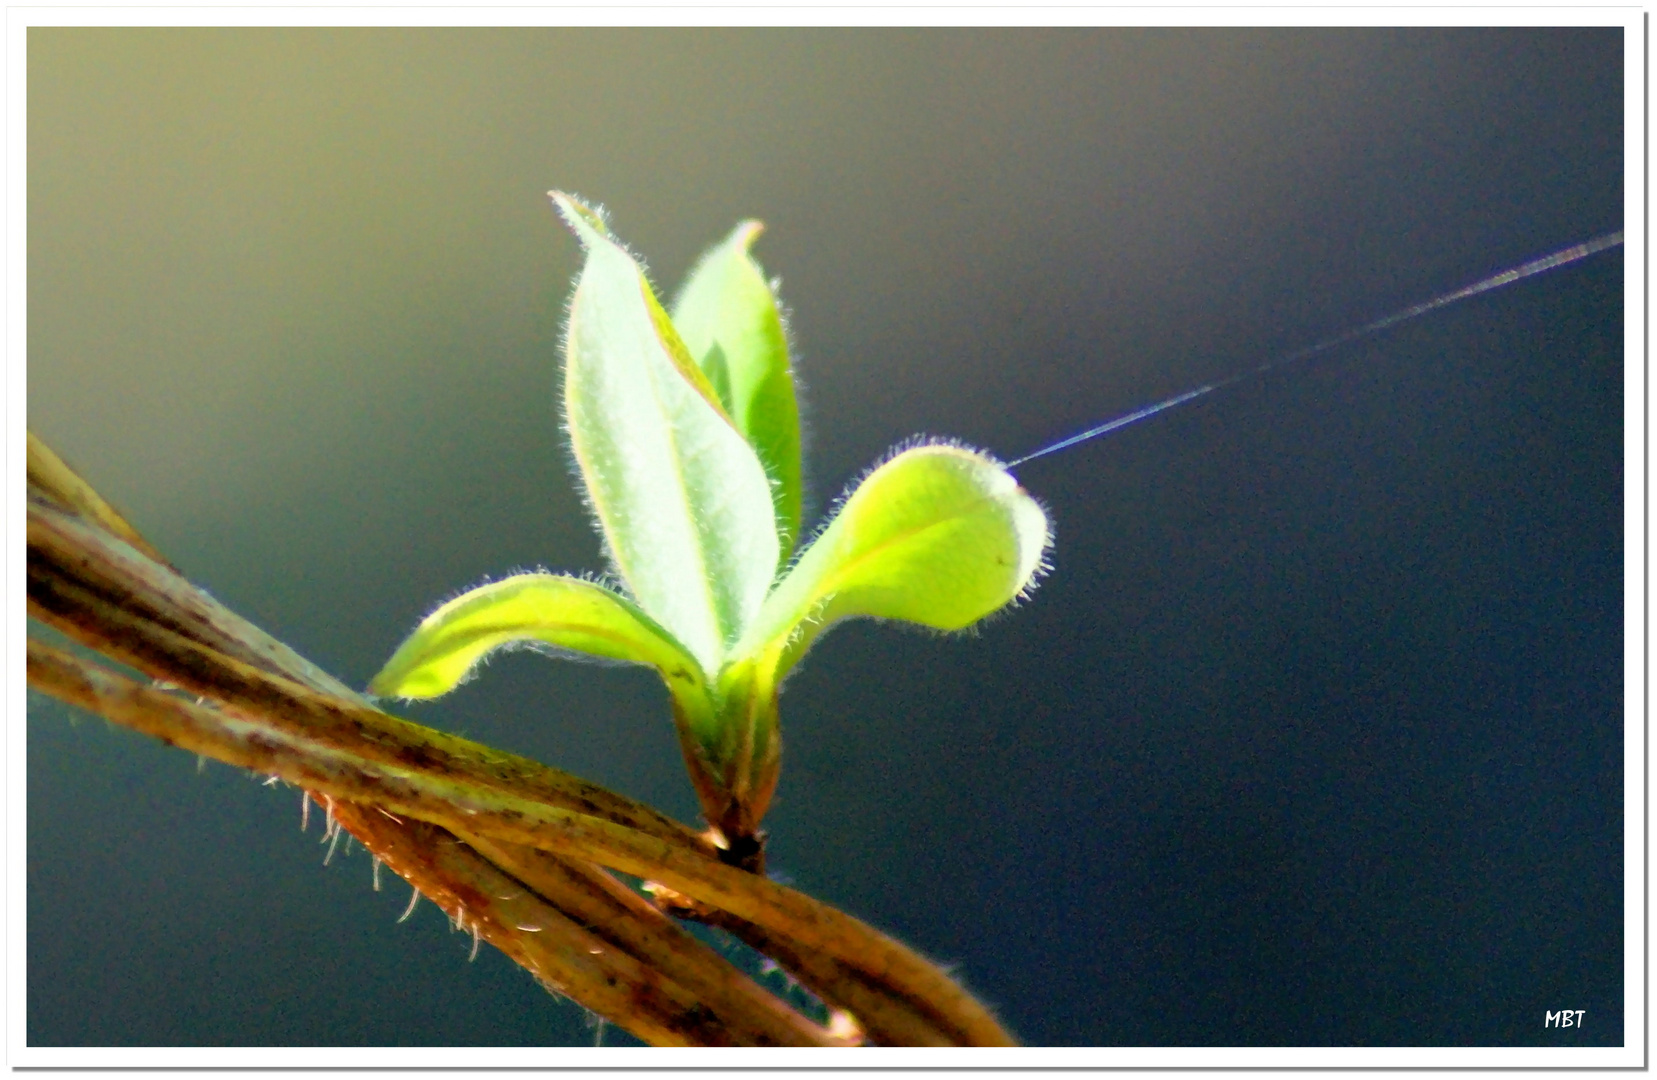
[728, 318]
[683, 499]
[561, 611]
[939, 536]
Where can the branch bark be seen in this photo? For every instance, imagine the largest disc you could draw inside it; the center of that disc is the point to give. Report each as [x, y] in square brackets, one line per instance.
[508, 847]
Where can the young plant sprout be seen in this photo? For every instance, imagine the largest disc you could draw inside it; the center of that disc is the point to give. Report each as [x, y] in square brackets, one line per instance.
[686, 433]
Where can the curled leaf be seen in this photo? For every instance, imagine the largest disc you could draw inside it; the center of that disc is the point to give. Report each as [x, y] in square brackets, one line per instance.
[939, 536]
[557, 610]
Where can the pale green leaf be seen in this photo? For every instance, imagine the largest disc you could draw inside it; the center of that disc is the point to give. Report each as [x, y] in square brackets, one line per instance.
[564, 612]
[728, 318]
[938, 535]
[682, 498]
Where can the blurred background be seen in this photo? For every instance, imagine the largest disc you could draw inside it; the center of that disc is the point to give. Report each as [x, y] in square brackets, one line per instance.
[1312, 737]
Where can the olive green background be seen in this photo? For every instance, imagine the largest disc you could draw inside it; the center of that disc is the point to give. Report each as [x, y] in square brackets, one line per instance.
[1313, 736]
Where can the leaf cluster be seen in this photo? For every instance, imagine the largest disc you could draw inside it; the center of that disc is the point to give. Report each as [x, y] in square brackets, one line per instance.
[685, 428]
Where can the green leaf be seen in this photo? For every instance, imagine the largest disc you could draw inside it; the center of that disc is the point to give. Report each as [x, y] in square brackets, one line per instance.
[719, 377]
[557, 610]
[682, 498]
[728, 317]
[939, 535]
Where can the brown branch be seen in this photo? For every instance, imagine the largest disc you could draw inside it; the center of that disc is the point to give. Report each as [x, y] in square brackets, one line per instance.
[50, 479]
[279, 714]
[702, 999]
[96, 600]
[478, 895]
[899, 1021]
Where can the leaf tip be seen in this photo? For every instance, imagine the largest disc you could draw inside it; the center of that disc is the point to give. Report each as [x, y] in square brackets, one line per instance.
[586, 222]
[747, 232]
